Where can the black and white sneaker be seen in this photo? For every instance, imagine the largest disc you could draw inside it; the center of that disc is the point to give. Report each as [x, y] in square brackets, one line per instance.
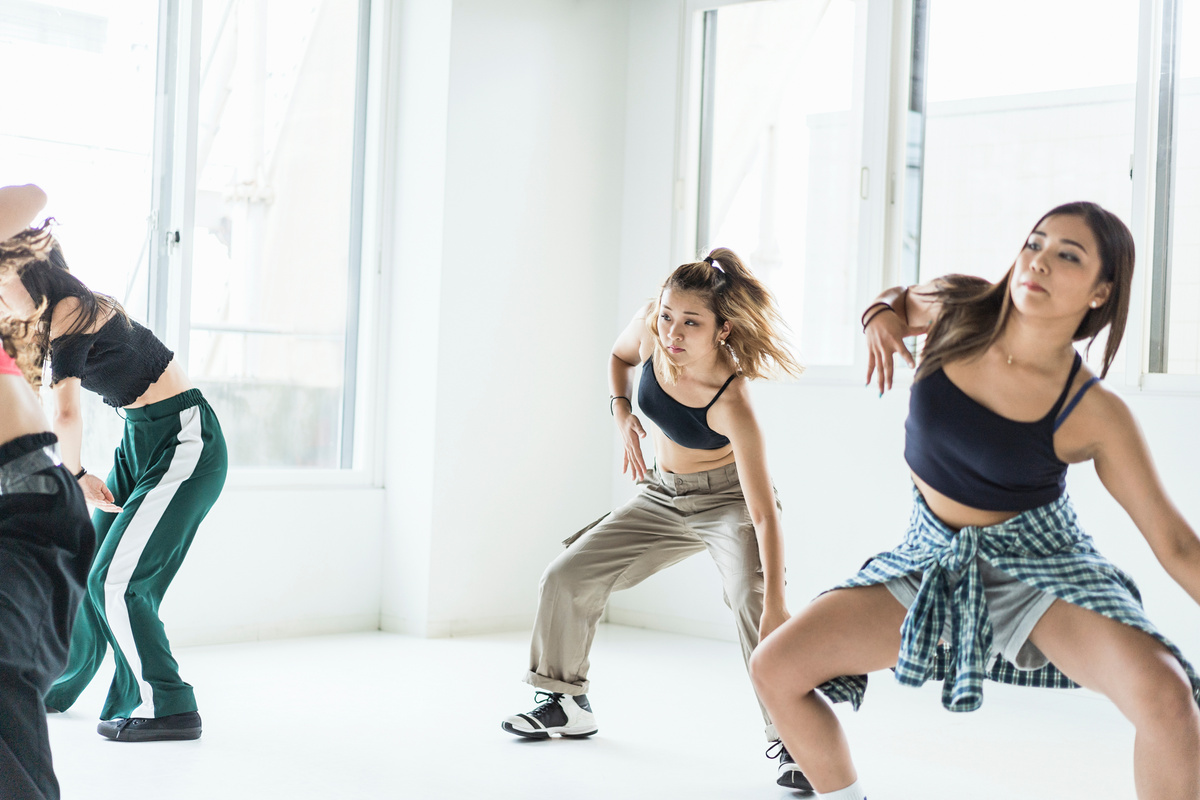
[790, 775]
[564, 714]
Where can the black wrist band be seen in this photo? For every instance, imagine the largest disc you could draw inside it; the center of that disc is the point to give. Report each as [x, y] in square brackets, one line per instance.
[876, 314]
[615, 398]
[863, 319]
[81, 473]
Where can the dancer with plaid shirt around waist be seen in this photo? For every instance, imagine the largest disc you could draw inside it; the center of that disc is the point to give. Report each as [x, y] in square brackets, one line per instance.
[994, 562]
[168, 471]
[711, 330]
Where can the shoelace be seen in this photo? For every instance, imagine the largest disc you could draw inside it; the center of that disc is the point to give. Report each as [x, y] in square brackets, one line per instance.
[547, 700]
[777, 746]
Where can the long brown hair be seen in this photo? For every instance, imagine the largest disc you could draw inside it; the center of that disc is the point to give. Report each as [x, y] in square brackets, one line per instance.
[48, 279]
[974, 311]
[756, 346]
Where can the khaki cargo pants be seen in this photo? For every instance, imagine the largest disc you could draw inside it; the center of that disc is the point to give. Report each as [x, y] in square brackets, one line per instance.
[672, 516]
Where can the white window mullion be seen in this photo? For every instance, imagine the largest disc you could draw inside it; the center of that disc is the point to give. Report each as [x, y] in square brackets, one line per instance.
[1145, 134]
[174, 173]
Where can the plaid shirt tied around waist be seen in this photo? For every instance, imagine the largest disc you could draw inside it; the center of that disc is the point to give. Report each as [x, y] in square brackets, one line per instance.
[1043, 547]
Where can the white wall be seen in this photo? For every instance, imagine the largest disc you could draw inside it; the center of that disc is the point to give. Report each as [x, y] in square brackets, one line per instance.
[277, 562]
[498, 432]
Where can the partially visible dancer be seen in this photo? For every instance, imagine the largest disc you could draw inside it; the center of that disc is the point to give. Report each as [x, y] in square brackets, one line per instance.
[994, 562]
[712, 329]
[168, 471]
[46, 540]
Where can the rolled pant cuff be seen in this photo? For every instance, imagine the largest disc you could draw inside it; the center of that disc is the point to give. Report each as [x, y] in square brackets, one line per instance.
[552, 685]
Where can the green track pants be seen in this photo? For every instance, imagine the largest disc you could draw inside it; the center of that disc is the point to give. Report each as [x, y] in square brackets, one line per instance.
[169, 470]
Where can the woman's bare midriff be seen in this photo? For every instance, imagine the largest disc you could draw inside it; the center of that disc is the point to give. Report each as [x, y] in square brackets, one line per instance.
[670, 457]
[22, 411]
[173, 381]
[955, 514]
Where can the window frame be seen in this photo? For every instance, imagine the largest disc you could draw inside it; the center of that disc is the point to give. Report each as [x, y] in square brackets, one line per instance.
[173, 214]
[1152, 168]
[884, 141]
[876, 256]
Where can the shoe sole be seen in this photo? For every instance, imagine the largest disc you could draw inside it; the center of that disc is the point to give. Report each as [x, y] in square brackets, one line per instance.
[187, 734]
[546, 734]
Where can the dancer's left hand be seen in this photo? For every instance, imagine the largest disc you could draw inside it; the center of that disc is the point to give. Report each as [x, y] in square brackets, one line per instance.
[97, 494]
[772, 618]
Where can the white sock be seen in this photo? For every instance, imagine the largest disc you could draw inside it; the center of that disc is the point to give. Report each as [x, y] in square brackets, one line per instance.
[852, 792]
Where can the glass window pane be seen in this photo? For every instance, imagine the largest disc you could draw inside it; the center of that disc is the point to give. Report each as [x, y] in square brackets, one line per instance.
[786, 151]
[1183, 336]
[81, 126]
[1038, 112]
[273, 224]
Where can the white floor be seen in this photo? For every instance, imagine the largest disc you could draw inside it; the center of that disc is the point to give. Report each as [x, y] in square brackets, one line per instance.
[383, 716]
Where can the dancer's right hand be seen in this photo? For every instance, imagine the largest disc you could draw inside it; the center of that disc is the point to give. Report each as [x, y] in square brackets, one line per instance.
[97, 494]
[885, 338]
[632, 433]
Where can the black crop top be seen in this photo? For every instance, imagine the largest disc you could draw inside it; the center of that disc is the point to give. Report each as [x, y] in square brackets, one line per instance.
[687, 426]
[118, 361]
[973, 455]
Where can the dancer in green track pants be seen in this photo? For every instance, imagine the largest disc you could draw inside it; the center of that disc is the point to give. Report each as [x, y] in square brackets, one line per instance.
[168, 472]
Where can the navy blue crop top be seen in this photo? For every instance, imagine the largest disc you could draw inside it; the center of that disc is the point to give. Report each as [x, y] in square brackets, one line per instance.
[687, 426]
[118, 361]
[973, 455]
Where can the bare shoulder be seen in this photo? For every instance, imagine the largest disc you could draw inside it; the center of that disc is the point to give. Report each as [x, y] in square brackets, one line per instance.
[733, 409]
[1100, 420]
[64, 316]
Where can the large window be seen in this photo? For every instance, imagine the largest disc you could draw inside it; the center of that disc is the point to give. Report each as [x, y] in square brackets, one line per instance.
[1014, 123]
[780, 155]
[80, 123]
[272, 323]
[260, 118]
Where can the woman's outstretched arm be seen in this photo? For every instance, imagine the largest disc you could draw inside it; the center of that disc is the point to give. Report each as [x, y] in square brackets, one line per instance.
[626, 355]
[1124, 466]
[898, 312]
[733, 416]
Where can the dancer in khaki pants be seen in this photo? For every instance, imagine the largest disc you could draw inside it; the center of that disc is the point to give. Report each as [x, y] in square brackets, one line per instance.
[712, 328]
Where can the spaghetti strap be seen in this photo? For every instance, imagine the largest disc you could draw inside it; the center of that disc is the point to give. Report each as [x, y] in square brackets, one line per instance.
[1075, 365]
[1074, 401]
[720, 391]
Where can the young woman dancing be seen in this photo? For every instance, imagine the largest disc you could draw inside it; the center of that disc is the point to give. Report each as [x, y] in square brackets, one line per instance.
[711, 330]
[46, 540]
[168, 471]
[994, 562]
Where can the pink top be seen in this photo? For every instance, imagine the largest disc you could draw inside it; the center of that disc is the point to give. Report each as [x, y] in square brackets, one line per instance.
[7, 365]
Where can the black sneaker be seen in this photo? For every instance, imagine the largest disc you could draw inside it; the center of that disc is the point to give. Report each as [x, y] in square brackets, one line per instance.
[151, 729]
[564, 714]
[790, 776]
